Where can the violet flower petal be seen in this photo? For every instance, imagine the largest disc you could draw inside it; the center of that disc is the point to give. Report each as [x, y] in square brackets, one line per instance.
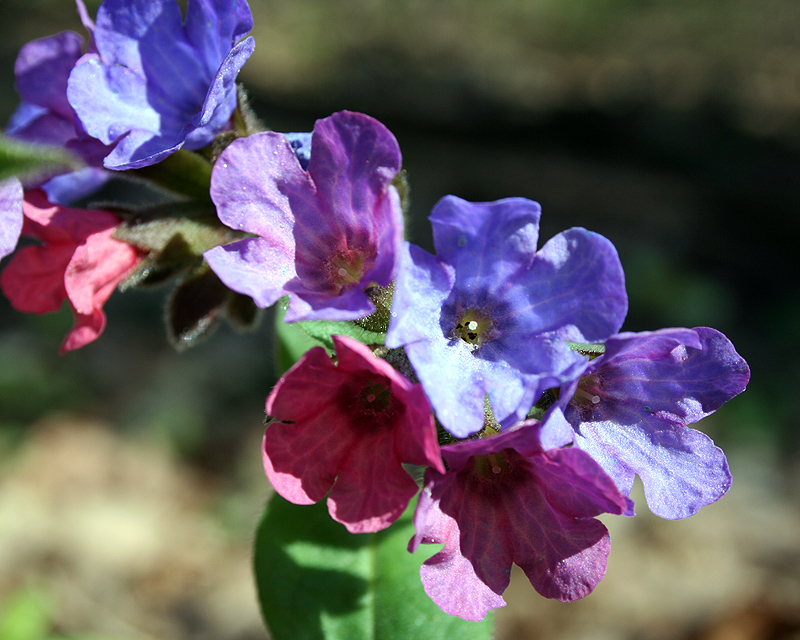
[155, 83]
[42, 68]
[447, 576]
[485, 242]
[651, 386]
[240, 265]
[326, 245]
[10, 215]
[70, 187]
[301, 144]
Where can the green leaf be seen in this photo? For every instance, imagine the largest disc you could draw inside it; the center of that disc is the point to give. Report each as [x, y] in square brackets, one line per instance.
[25, 616]
[175, 236]
[197, 226]
[592, 351]
[316, 581]
[159, 266]
[185, 172]
[25, 160]
[323, 331]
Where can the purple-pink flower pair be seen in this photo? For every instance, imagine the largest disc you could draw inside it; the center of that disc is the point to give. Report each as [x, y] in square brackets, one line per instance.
[520, 497]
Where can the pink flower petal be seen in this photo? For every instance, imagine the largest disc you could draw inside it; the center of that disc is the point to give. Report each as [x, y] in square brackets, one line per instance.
[335, 429]
[79, 260]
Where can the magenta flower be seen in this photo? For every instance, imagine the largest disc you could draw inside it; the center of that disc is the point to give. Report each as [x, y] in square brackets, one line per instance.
[520, 497]
[10, 215]
[347, 429]
[324, 235]
[78, 261]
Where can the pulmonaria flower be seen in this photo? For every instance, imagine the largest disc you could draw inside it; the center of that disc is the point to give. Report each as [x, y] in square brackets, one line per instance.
[10, 215]
[520, 497]
[157, 83]
[632, 406]
[322, 236]
[301, 144]
[491, 315]
[347, 429]
[44, 115]
[78, 260]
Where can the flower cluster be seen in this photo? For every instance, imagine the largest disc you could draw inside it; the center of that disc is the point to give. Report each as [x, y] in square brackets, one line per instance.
[495, 383]
[148, 83]
[546, 411]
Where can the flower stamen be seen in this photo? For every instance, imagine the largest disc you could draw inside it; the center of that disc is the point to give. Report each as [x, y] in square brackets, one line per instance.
[473, 328]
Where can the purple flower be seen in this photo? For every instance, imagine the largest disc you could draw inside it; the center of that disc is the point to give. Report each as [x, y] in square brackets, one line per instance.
[301, 143]
[44, 115]
[491, 315]
[10, 215]
[631, 407]
[158, 83]
[323, 236]
[522, 498]
[347, 429]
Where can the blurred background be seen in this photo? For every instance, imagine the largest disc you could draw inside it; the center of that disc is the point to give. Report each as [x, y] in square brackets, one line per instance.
[130, 476]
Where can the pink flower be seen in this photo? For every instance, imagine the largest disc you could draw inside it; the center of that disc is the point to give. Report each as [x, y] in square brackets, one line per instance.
[77, 260]
[348, 429]
[521, 497]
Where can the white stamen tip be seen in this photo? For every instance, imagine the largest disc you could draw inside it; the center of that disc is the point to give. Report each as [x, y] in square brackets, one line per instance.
[472, 325]
[495, 469]
[595, 399]
[342, 272]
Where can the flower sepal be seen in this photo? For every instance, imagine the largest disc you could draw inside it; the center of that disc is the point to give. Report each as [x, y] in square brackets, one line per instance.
[184, 172]
[198, 304]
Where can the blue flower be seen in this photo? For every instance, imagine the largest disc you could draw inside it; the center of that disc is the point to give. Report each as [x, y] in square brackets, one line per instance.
[157, 83]
[491, 315]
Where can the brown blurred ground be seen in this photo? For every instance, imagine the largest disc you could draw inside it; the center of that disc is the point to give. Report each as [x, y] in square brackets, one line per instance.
[129, 543]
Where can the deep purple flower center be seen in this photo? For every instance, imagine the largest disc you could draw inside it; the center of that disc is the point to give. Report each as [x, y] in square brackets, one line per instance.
[346, 268]
[492, 467]
[368, 399]
[473, 327]
[375, 398]
[589, 394]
